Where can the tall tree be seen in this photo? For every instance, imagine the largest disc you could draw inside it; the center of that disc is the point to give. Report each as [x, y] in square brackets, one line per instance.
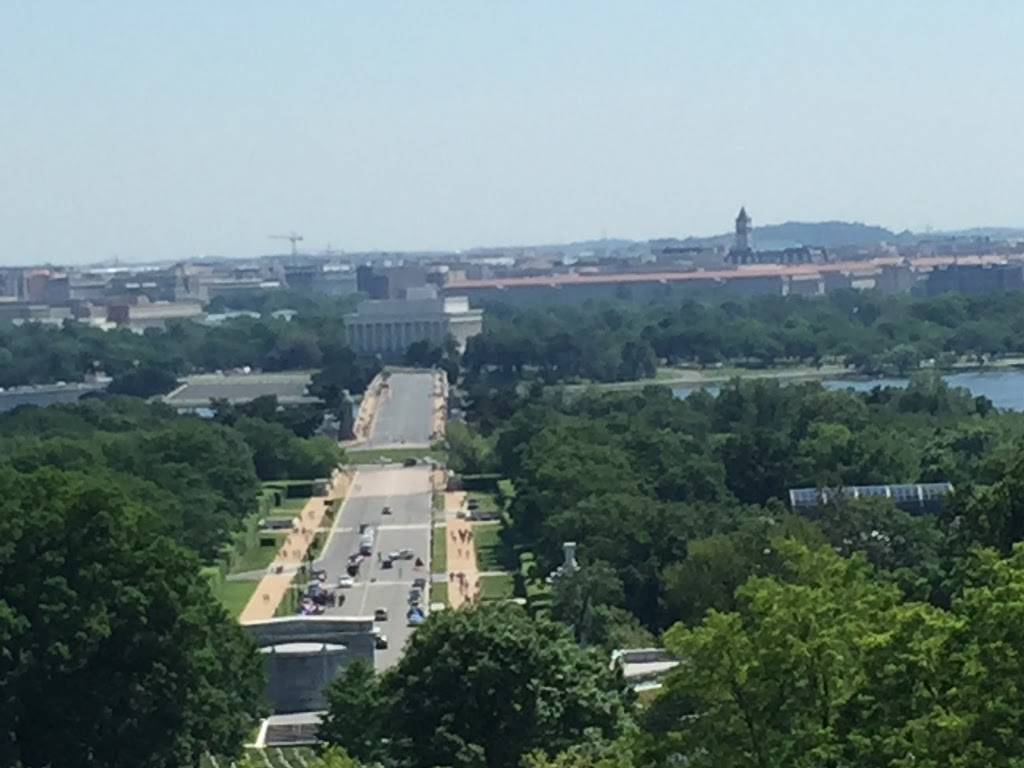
[114, 652]
[484, 687]
[765, 686]
[356, 716]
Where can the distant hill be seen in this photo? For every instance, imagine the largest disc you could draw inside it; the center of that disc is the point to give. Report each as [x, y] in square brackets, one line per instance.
[829, 234]
[996, 233]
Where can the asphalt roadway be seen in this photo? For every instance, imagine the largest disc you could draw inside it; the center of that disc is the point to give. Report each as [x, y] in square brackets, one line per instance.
[407, 491]
[405, 413]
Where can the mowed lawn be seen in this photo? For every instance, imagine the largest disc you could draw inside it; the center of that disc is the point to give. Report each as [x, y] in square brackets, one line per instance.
[439, 550]
[439, 592]
[487, 503]
[234, 595]
[499, 586]
[257, 558]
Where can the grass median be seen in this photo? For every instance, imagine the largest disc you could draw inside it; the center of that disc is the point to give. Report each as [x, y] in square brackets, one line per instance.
[439, 592]
[392, 455]
[439, 550]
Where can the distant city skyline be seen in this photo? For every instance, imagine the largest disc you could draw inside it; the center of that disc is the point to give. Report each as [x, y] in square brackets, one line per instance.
[155, 132]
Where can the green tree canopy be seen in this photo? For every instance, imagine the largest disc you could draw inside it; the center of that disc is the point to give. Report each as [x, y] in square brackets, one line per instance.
[481, 688]
[824, 665]
[114, 653]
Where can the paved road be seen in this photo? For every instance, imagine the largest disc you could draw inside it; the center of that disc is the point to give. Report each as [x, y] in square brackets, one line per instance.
[405, 414]
[407, 491]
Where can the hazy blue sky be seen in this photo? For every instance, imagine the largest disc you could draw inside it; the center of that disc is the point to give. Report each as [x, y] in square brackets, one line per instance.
[170, 129]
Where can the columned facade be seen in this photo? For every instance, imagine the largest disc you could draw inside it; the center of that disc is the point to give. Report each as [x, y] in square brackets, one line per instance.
[390, 326]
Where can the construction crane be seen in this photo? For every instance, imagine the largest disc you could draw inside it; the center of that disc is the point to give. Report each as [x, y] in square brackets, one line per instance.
[292, 237]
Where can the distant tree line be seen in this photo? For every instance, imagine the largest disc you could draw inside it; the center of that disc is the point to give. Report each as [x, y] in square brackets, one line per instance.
[615, 341]
[149, 363]
[621, 341]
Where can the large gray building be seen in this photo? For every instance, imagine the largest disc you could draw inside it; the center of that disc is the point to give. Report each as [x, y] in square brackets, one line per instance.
[303, 654]
[391, 325]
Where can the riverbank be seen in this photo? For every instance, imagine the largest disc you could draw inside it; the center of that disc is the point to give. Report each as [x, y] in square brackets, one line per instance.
[697, 378]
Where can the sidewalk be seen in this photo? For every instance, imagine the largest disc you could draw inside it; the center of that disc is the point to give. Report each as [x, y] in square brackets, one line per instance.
[440, 405]
[463, 575]
[273, 586]
[367, 412]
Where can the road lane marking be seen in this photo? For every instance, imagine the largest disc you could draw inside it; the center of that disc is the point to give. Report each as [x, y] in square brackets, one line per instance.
[403, 582]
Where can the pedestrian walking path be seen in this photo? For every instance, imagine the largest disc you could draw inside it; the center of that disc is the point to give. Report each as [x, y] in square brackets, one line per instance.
[440, 405]
[463, 575]
[278, 578]
[363, 426]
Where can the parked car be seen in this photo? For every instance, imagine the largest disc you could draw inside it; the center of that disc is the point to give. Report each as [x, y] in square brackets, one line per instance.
[405, 554]
[380, 642]
[419, 582]
[381, 614]
[409, 462]
[386, 562]
[346, 582]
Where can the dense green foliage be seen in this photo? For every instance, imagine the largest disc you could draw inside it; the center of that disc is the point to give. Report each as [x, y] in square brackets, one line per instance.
[302, 420]
[853, 635]
[825, 665]
[621, 341]
[477, 688]
[145, 381]
[113, 653]
[343, 371]
[423, 354]
[644, 481]
[199, 479]
[34, 353]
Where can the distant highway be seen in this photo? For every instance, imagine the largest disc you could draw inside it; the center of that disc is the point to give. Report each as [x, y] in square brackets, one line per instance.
[405, 413]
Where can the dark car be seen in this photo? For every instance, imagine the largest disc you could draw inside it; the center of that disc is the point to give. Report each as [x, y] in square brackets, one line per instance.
[410, 462]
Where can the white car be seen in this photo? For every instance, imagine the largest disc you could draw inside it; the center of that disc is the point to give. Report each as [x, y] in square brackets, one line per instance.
[346, 582]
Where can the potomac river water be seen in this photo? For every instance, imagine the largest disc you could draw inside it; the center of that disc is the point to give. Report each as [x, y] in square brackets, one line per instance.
[1004, 388]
